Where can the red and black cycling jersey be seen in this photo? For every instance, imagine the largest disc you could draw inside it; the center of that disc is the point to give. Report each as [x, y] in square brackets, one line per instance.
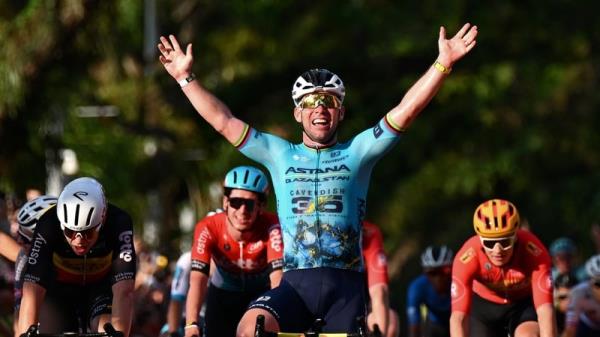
[241, 265]
[112, 257]
[527, 274]
[374, 255]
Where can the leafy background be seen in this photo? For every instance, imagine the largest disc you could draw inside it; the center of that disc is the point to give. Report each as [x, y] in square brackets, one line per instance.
[516, 119]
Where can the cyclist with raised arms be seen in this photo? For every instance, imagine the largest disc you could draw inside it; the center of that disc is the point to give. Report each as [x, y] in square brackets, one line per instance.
[320, 184]
[501, 281]
[244, 242]
[27, 218]
[81, 266]
[431, 289]
[583, 311]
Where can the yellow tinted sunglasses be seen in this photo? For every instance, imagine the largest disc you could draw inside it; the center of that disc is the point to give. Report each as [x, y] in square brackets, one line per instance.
[312, 101]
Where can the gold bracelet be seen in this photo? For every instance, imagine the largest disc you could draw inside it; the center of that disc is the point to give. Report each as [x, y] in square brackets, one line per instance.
[442, 68]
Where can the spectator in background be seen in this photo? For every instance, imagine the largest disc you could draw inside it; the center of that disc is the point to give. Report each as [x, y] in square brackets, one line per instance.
[564, 259]
[562, 293]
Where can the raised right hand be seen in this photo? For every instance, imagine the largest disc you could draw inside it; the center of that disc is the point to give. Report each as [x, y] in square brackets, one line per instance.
[177, 63]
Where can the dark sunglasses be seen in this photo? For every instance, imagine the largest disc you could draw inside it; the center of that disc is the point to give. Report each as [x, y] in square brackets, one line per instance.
[86, 234]
[238, 202]
[505, 243]
[311, 101]
[596, 283]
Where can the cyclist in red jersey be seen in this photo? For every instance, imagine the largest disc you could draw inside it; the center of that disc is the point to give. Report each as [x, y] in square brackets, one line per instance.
[377, 281]
[245, 245]
[501, 279]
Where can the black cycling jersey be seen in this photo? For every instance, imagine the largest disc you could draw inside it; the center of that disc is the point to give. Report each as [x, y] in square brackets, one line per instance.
[52, 260]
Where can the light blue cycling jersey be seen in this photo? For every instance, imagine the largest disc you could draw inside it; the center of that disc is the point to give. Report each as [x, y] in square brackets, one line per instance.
[321, 193]
[421, 291]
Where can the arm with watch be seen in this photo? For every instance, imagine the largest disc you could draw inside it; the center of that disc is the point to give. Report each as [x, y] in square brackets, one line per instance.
[194, 300]
[178, 63]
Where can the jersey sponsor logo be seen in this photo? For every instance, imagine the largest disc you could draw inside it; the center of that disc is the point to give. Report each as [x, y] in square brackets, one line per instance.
[300, 158]
[275, 239]
[467, 256]
[126, 249]
[124, 276]
[255, 247]
[335, 154]
[533, 249]
[201, 241]
[457, 289]
[332, 169]
[544, 282]
[80, 194]
[323, 191]
[316, 180]
[226, 247]
[325, 204]
[377, 131]
[34, 253]
[263, 299]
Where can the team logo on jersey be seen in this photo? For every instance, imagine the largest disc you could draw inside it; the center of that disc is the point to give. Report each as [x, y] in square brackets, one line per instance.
[263, 299]
[457, 289]
[255, 247]
[275, 239]
[335, 154]
[377, 131]
[126, 249]
[533, 249]
[545, 282]
[487, 266]
[226, 247]
[467, 256]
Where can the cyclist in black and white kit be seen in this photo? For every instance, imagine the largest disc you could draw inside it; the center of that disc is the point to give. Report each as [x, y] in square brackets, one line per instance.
[28, 217]
[81, 266]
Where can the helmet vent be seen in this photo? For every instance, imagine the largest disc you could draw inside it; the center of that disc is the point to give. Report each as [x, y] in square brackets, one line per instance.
[77, 215]
[66, 219]
[256, 181]
[89, 217]
[246, 176]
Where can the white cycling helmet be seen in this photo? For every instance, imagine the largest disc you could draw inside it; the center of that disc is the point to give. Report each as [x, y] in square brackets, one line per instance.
[434, 257]
[318, 80]
[31, 212]
[592, 266]
[81, 205]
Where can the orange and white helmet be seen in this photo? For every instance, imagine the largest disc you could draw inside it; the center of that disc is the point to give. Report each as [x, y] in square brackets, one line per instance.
[496, 218]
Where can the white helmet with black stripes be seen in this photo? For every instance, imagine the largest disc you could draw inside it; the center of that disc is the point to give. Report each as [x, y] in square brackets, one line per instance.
[30, 213]
[435, 257]
[81, 205]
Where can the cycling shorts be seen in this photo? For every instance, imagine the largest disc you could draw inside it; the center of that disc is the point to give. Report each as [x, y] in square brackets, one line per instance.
[584, 330]
[335, 295]
[71, 308]
[489, 319]
[224, 309]
[436, 329]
